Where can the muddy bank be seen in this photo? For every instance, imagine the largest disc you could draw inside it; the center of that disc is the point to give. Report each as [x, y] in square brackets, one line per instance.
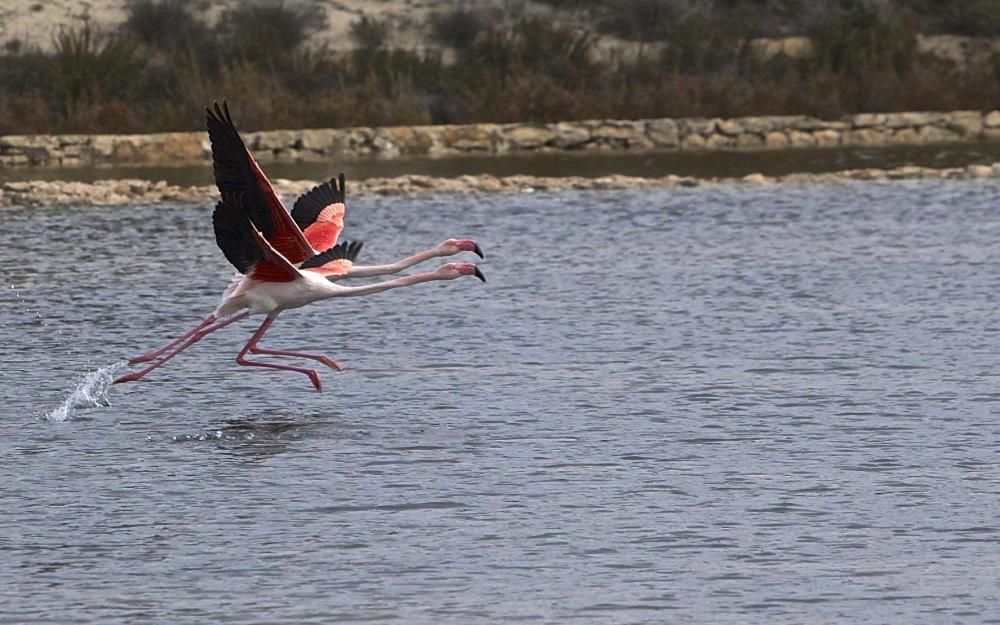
[119, 192]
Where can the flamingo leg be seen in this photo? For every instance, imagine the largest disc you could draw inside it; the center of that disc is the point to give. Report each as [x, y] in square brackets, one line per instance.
[251, 347]
[193, 338]
[326, 360]
[154, 354]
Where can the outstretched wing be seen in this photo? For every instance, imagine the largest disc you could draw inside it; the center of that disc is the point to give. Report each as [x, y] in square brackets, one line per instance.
[336, 261]
[232, 234]
[236, 171]
[245, 246]
[320, 213]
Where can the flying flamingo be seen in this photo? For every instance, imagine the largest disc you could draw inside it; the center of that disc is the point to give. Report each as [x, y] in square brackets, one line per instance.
[275, 254]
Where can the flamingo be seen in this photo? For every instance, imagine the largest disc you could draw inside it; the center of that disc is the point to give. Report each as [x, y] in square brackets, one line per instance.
[276, 255]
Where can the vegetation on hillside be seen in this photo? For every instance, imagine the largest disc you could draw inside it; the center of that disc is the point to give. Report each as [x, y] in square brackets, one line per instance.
[694, 59]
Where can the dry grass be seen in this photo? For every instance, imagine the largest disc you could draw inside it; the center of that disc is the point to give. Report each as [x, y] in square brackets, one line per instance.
[516, 69]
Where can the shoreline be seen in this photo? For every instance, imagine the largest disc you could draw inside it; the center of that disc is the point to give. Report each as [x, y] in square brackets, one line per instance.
[40, 193]
[762, 133]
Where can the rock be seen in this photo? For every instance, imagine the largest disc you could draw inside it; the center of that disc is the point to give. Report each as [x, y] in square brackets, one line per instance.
[967, 124]
[663, 133]
[992, 119]
[902, 120]
[528, 137]
[698, 126]
[867, 120]
[319, 141]
[472, 138]
[275, 139]
[866, 136]
[749, 141]
[905, 136]
[979, 171]
[569, 136]
[776, 140]
[827, 138]
[933, 134]
[693, 142]
[619, 134]
[799, 139]
[170, 147]
[719, 141]
[760, 125]
[729, 127]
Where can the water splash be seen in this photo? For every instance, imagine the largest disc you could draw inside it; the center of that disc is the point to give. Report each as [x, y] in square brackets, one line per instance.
[90, 392]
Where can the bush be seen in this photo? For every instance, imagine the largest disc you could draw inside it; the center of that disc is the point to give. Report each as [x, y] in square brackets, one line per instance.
[166, 25]
[458, 29]
[267, 33]
[90, 66]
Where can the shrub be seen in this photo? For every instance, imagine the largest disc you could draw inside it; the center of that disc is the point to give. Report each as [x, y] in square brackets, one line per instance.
[458, 29]
[369, 33]
[166, 25]
[90, 66]
[267, 33]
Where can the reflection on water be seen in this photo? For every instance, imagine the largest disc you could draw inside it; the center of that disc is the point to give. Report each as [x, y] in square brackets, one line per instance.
[709, 164]
[699, 405]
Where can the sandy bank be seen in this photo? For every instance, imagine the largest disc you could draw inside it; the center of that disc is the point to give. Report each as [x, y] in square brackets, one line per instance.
[120, 192]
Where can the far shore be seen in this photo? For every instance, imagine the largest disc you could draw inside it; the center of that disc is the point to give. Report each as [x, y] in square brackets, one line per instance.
[40, 193]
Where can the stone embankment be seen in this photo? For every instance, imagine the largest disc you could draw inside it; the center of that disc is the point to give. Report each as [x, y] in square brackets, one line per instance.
[120, 192]
[745, 133]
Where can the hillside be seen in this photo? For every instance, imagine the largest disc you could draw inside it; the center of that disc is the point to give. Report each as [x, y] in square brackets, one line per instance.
[150, 65]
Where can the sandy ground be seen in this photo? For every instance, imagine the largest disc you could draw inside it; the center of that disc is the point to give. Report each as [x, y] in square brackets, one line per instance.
[34, 23]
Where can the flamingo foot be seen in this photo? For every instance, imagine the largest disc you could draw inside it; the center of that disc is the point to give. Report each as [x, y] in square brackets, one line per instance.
[314, 377]
[329, 362]
[129, 377]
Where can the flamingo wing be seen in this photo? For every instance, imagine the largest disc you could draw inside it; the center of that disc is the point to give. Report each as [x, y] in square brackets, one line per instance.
[232, 234]
[336, 261]
[236, 171]
[320, 213]
[245, 246]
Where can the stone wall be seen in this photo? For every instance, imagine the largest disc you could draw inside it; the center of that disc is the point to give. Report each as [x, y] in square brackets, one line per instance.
[744, 133]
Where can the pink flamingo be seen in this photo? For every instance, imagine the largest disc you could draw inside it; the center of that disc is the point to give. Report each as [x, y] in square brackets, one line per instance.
[275, 254]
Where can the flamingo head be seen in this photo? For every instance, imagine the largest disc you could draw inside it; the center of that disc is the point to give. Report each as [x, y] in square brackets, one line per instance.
[451, 271]
[454, 246]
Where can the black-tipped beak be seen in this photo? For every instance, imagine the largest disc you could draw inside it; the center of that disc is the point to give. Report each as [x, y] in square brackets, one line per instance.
[478, 251]
[479, 274]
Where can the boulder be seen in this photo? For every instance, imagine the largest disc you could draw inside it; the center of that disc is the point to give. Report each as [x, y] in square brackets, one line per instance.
[528, 137]
[663, 133]
[968, 124]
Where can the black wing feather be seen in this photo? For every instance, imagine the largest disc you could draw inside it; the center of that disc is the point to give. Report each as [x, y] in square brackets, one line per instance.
[310, 204]
[232, 169]
[233, 235]
[348, 250]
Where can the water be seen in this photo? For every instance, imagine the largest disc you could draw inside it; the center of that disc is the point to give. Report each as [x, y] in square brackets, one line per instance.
[712, 405]
[705, 164]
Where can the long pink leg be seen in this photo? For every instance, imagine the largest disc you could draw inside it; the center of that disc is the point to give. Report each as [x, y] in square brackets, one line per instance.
[251, 346]
[152, 355]
[326, 360]
[192, 339]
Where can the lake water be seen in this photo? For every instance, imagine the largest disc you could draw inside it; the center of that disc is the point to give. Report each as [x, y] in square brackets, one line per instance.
[724, 404]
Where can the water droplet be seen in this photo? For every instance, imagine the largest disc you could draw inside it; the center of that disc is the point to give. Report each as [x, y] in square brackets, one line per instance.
[91, 392]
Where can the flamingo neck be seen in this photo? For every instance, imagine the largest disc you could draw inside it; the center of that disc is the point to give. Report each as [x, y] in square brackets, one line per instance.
[363, 271]
[395, 283]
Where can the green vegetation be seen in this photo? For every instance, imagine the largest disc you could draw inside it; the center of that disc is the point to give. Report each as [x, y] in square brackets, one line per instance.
[688, 58]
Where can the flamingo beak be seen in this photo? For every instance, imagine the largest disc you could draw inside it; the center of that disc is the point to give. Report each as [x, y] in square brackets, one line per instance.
[479, 274]
[479, 252]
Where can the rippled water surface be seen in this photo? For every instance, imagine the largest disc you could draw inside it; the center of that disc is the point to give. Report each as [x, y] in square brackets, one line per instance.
[710, 405]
